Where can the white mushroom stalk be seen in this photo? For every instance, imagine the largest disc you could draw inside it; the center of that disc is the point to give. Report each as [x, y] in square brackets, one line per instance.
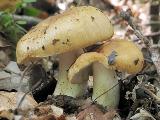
[104, 78]
[116, 54]
[121, 55]
[64, 87]
[105, 86]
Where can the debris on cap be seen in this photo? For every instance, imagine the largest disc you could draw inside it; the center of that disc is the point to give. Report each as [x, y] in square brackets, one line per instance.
[73, 29]
[123, 55]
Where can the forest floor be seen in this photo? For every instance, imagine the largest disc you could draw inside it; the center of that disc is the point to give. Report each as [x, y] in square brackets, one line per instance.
[26, 91]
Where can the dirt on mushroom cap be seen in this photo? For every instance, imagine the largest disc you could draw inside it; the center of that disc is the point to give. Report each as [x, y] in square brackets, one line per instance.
[76, 28]
[124, 55]
[119, 54]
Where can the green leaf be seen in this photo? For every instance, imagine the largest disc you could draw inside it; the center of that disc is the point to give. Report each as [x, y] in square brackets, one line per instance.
[31, 11]
[21, 22]
[29, 1]
[6, 19]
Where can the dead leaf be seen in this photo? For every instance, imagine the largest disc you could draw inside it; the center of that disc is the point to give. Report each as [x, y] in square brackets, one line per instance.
[5, 114]
[6, 4]
[4, 75]
[142, 115]
[48, 112]
[94, 113]
[57, 111]
[4, 59]
[8, 100]
[48, 117]
[10, 81]
[71, 117]
[12, 67]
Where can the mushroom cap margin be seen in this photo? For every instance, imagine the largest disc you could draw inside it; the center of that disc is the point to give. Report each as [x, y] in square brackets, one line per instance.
[123, 55]
[76, 28]
[83, 62]
[128, 59]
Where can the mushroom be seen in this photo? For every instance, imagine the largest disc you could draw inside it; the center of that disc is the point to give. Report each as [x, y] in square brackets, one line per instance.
[117, 54]
[65, 35]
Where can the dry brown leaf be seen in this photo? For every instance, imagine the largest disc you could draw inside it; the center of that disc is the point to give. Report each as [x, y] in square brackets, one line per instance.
[5, 114]
[52, 2]
[111, 115]
[71, 117]
[8, 100]
[5, 4]
[5, 51]
[142, 115]
[49, 117]
[42, 110]
[48, 111]
[94, 113]
[4, 59]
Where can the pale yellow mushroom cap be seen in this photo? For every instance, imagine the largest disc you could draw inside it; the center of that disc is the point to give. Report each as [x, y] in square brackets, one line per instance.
[76, 28]
[117, 54]
[84, 61]
[123, 55]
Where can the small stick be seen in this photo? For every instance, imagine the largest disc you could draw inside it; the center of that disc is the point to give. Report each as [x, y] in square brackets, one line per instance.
[153, 34]
[127, 16]
[105, 92]
[28, 19]
[23, 75]
[156, 98]
[33, 88]
[149, 35]
[21, 80]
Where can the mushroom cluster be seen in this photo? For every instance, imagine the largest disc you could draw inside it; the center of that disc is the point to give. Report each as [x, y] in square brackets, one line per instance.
[116, 54]
[65, 35]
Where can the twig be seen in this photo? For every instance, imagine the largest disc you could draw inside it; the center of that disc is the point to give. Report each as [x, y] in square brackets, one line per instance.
[22, 76]
[155, 46]
[148, 35]
[105, 92]
[127, 16]
[153, 23]
[153, 34]
[33, 88]
[154, 16]
[93, 101]
[156, 98]
[28, 19]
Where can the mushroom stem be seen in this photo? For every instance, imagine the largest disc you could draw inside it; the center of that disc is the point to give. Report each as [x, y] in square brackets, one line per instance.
[103, 80]
[64, 87]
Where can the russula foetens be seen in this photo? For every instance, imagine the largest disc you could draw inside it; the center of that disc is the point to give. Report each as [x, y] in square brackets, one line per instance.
[117, 54]
[64, 35]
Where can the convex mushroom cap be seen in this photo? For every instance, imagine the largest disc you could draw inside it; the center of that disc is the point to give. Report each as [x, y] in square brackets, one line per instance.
[116, 54]
[123, 55]
[76, 28]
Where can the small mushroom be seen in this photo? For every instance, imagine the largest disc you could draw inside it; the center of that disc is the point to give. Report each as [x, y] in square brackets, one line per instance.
[65, 35]
[114, 55]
